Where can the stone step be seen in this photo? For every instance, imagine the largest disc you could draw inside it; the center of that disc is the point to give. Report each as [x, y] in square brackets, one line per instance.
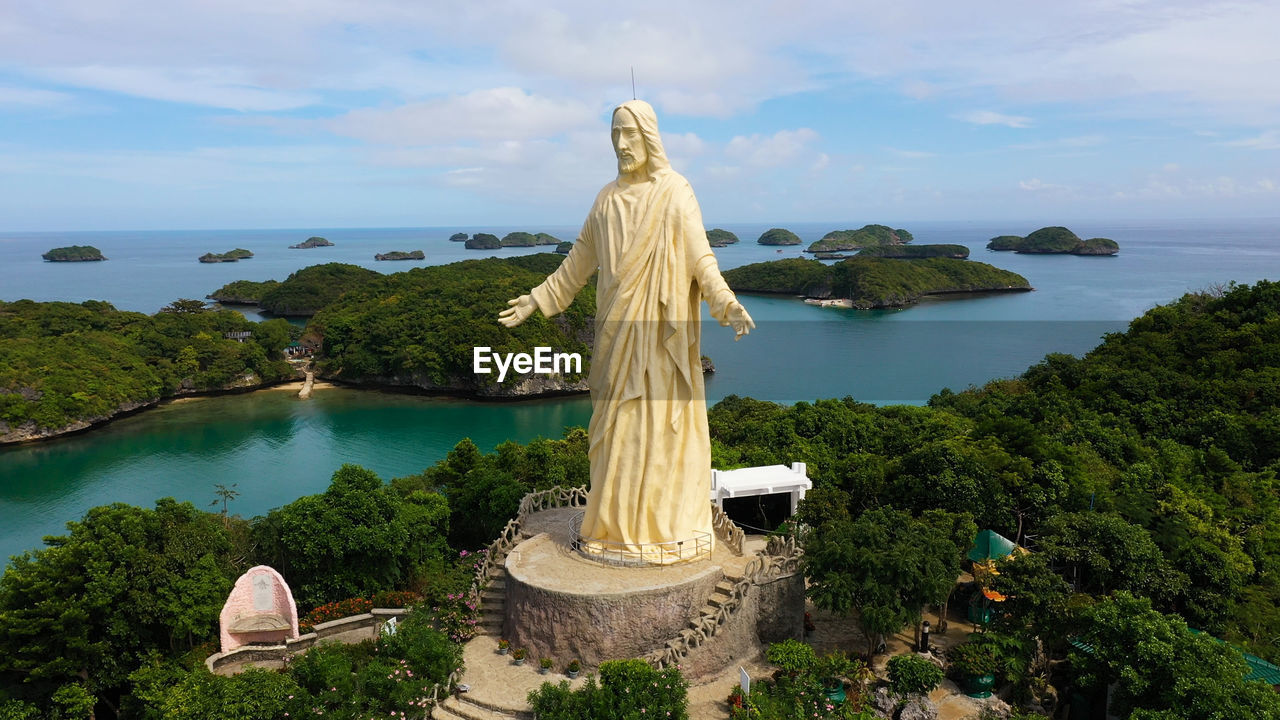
[718, 599]
[440, 712]
[472, 708]
[726, 586]
[498, 584]
[491, 595]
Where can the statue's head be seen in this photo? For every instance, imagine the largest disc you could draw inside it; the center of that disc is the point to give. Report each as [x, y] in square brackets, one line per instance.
[635, 138]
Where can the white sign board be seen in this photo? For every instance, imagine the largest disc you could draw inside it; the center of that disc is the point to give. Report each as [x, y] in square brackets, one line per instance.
[744, 680]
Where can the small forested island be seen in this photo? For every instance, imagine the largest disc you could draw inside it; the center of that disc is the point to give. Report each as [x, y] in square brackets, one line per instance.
[69, 366]
[717, 237]
[564, 247]
[864, 237]
[778, 236]
[525, 239]
[74, 253]
[519, 239]
[870, 282]
[229, 256]
[311, 242]
[913, 252]
[401, 255]
[458, 237]
[435, 316]
[242, 292]
[483, 241]
[1054, 240]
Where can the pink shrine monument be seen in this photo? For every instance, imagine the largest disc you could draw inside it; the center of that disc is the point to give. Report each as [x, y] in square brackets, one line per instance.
[259, 610]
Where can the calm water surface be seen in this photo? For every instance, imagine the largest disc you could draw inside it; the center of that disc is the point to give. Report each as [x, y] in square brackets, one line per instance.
[277, 447]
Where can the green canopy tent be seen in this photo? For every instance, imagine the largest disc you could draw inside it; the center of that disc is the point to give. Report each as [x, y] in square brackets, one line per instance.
[990, 545]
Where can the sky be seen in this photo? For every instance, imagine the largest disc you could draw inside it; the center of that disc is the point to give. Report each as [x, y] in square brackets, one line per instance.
[184, 114]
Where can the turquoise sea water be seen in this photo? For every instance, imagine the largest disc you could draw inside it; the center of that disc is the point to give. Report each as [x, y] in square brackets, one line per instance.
[277, 447]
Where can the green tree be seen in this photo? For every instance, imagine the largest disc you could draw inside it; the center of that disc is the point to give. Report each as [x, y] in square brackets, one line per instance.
[885, 565]
[354, 539]
[95, 605]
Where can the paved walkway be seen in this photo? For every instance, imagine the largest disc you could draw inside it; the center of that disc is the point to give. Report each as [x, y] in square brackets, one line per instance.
[496, 681]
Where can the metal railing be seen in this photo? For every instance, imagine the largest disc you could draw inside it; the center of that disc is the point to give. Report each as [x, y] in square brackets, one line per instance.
[697, 547]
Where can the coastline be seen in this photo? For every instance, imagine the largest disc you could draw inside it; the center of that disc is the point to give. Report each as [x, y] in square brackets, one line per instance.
[33, 436]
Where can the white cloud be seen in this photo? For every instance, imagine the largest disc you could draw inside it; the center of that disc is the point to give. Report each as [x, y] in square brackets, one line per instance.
[31, 97]
[987, 117]
[224, 87]
[1037, 185]
[781, 148]
[1269, 140]
[495, 114]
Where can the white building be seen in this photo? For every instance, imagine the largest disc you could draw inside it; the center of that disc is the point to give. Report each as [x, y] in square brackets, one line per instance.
[764, 480]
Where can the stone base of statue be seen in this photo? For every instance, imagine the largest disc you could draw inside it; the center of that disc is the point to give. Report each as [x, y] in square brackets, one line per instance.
[703, 614]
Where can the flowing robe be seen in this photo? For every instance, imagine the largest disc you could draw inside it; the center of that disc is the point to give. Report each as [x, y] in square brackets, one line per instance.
[650, 448]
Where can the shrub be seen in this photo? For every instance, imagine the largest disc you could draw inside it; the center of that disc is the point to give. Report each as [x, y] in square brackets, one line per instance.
[913, 675]
[792, 656]
[333, 611]
[395, 599]
[973, 659]
[627, 690]
[428, 652]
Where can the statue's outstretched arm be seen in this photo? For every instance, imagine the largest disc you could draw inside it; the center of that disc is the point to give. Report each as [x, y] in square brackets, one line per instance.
[558, 290]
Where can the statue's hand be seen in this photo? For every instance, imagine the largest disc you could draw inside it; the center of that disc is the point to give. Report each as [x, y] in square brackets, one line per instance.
[739, 319]
[520, 309]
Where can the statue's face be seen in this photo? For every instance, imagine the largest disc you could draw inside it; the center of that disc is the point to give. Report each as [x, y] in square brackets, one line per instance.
[628, 143]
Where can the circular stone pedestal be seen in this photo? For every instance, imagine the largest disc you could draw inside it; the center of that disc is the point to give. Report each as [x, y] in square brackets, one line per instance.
[563, 606]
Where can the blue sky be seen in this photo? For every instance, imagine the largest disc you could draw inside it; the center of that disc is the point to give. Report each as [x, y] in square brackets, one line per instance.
[135, 114]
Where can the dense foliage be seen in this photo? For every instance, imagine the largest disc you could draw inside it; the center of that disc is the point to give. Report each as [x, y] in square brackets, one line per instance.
[62, 363]
[871, 282]
[242, 292]
[420, 328]
[627, 690]
[121, 608]
[546, 239]
[356, 538]
[458, 237]
[885, 564]
[864, 237]
[718, 237]
[123, 584]
[797, 690]
[1055, 239]
[915, 251]
[564, 247]
[484, 490]
[73, 253]
[1146, 467]
[778, 236]
[307, 290]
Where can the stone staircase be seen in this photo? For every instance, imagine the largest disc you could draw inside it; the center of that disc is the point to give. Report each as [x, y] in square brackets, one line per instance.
[493, 603]
[462, 707]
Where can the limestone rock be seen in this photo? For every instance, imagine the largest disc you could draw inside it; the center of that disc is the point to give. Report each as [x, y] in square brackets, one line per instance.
[918, 708]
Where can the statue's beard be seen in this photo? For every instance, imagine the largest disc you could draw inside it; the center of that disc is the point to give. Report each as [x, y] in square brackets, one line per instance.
[629, 164]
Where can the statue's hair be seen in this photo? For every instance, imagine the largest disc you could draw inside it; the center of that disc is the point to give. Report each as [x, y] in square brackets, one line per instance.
[647, 119]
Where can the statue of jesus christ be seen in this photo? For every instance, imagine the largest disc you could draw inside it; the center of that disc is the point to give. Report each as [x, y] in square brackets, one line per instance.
[650, 450]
